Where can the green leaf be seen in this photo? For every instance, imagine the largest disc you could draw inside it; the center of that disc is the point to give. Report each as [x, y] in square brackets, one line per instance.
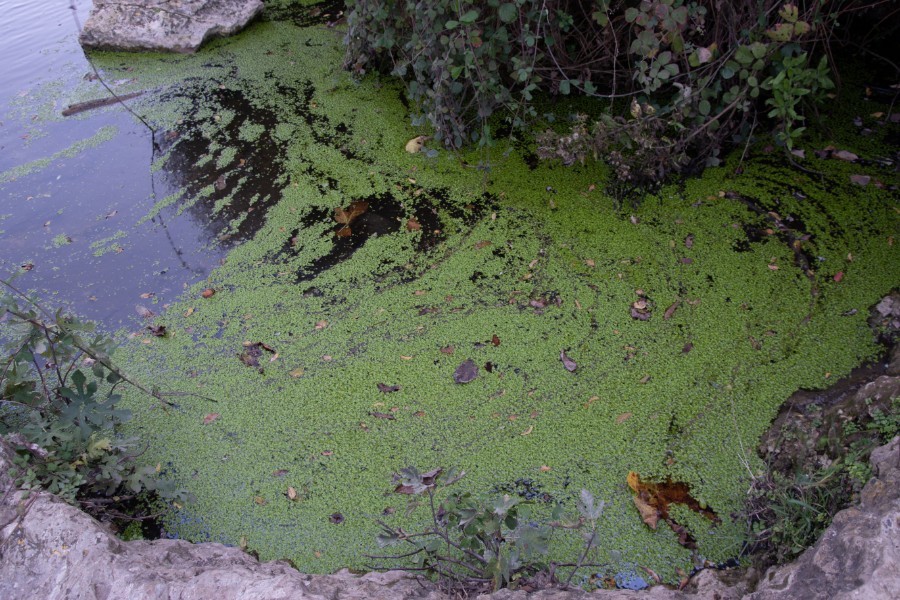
[470, 17]
[508, 12]
[564, 87]
[451, 24]
[704, 107]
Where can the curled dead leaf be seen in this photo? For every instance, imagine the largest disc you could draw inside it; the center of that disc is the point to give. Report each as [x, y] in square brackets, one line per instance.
[567, 362]
[415, 145]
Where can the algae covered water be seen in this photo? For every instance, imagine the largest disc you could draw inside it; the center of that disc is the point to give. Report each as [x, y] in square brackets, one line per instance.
[324, 354]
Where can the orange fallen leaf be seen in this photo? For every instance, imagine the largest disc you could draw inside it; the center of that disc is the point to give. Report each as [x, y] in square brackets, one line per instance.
[622, 418]
[544, 468]
[838, 276]
[189, 312]
[413, 225]
[210, 418]
[208, 293]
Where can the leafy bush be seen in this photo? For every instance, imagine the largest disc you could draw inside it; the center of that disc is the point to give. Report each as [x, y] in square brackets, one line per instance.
[59, 410]
[473, 541]
[693, 74]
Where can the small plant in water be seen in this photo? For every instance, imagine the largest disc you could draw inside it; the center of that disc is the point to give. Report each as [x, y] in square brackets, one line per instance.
[473, 543]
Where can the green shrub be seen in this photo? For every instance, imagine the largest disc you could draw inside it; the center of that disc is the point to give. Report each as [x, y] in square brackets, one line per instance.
[475, 541]
[59, 410]
[682, 77]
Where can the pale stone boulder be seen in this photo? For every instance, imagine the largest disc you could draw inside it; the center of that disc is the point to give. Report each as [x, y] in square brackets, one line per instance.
[164, 25]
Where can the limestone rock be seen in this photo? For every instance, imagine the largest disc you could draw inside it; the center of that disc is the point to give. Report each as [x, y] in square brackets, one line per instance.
[858, 556]
[164, 25]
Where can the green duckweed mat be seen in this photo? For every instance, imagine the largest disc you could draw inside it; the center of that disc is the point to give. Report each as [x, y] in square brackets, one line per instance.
[756, 284]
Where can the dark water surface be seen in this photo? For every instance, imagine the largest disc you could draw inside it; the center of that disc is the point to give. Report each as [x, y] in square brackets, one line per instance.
[51, 216]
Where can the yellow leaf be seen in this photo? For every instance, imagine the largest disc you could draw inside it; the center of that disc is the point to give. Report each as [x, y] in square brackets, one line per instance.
[298, 372]
[189, 312]
[528, 431]
[634, 481]
[260, 500]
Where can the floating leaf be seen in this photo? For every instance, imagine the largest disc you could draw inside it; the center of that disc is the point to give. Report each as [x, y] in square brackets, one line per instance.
[260, 500]
[189, 311]
[292, 494]
[622, 418]
[528, 431]
[143, 311]
[298, 372]
[157, 330]
[321, 325]
[381, 415]
[280, 473]
[413, 225]
[687, 348]
[415, 145]
[671, 310]
[862, 180]
[495, 340]
[447, 350]
[838, 276]
[208, 293]
[336, 518]
[482, 244]
[210, 418]
[648, 513]
[466, 372]
[844, 155]
[387, 389]
[689, 241]
[567, 362]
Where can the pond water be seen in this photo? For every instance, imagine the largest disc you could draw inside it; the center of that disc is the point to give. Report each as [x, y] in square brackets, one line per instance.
[73, 217]
[324, 287]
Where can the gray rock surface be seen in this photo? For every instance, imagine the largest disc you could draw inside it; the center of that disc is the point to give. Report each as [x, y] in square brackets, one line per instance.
[52, 551]
[858, 556]
[164, 25]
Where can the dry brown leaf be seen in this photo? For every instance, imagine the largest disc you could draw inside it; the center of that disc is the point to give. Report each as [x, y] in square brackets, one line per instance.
[189, 311]
[622, 418]
[321, 325]
[292, 494]
[413, 225]
[648, 513]
[482, 244]
[296, 373]
[210, 418]
[544, 468]
[528, 431]
[260, 500]
[208, 293]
